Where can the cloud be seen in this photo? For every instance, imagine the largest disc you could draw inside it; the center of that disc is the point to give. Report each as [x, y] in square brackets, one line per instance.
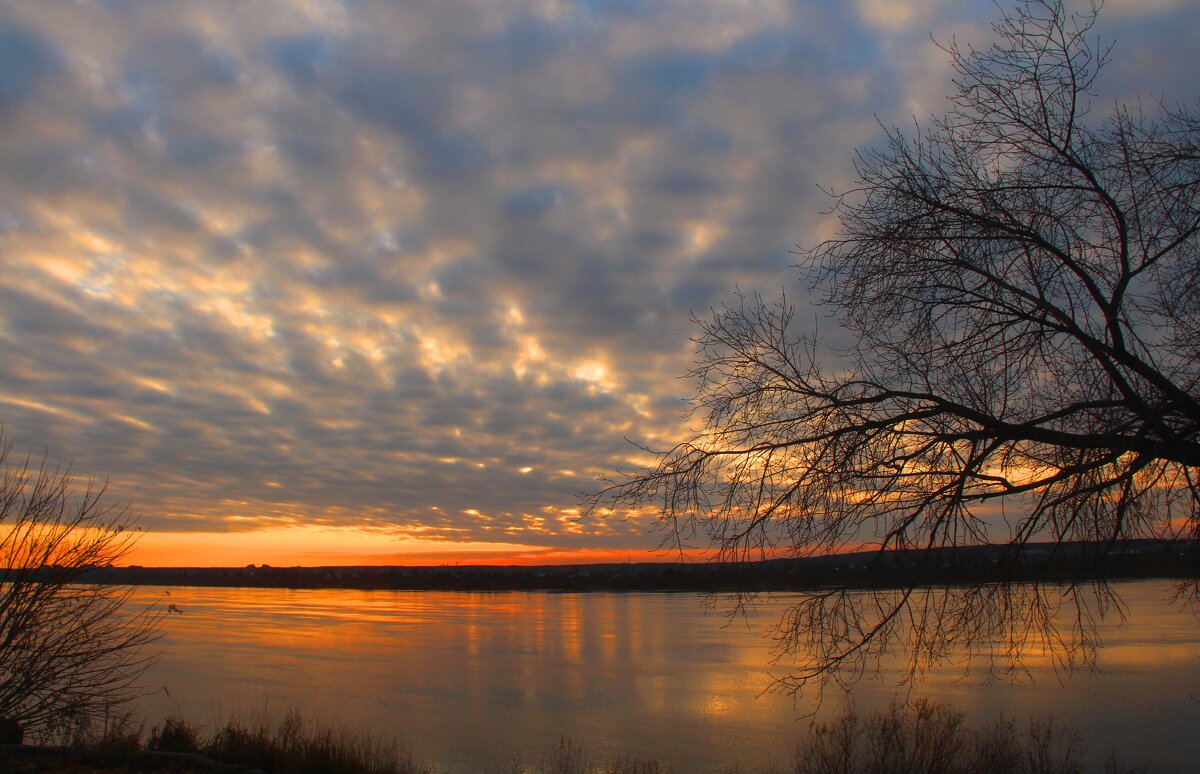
[422, 270]
[25, 59]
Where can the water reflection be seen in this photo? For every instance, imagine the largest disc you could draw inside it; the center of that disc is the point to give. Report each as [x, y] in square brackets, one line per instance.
[996, 629]
[472, 680]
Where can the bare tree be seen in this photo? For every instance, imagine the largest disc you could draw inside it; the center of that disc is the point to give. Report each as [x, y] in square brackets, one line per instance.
[70, 651]
[1022, 279]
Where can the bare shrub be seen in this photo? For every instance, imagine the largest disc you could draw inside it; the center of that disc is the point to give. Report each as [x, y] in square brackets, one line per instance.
[934, 738]
[71, 652]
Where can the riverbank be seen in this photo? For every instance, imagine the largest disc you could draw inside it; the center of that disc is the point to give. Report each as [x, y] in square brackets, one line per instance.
[919, 736]
[959, 565]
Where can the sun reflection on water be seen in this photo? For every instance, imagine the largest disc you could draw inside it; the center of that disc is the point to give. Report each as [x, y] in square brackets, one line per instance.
[465, 678]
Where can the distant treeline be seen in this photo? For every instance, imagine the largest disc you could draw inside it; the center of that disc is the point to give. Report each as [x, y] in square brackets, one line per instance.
[1049, 562]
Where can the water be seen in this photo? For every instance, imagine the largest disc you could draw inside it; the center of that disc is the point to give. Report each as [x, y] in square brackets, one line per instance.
[472, 681]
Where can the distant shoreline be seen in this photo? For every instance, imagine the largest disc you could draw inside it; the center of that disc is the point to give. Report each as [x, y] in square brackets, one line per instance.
[1044, 562]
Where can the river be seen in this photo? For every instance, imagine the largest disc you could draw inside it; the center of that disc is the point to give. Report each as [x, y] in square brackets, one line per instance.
[472, 681]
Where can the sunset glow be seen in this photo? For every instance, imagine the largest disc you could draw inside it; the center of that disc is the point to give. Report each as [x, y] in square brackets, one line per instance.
[316, 547]
[364, 283]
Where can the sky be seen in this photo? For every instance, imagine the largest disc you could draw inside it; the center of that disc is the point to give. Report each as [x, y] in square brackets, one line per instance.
[359, 282]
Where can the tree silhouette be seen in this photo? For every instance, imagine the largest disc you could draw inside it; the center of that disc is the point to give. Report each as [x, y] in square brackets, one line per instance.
[1022, 280]
[70, 652]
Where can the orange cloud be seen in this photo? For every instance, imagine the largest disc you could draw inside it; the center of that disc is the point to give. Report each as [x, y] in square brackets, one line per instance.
[315, 547]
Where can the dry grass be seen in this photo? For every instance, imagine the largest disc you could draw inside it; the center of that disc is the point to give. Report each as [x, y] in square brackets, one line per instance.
[569, 758]
[936, 739]
[919, 736]
[290, 745]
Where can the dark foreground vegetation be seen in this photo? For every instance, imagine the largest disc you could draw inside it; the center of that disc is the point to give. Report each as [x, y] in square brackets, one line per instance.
[951, 565]
[919, 736]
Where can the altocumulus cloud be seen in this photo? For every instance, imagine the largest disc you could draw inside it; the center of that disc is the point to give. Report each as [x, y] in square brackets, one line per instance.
[423, 269]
